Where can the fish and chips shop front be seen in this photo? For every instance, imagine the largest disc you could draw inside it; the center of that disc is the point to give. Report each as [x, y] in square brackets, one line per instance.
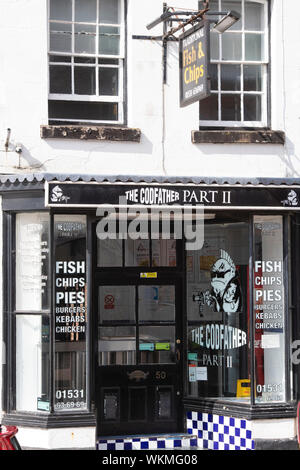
[150, 306]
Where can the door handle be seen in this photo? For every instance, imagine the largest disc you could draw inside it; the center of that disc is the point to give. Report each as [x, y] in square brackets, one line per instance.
[178, 355]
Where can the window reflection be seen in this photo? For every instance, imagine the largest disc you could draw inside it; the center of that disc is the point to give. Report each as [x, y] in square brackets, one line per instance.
[116, 346]
[157, 344]
[218, 315]
[156, 303]
[70, 312]
[117, 304]
[269, 297]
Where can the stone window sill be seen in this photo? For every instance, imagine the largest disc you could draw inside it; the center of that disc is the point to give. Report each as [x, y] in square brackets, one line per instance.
[238, 137]
[101, 133]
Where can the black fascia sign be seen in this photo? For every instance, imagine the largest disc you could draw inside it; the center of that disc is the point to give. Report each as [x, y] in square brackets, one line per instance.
[194, 62]
[210, 196]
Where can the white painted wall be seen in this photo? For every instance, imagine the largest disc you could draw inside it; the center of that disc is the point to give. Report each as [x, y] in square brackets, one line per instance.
[65, 438]
[166, 146]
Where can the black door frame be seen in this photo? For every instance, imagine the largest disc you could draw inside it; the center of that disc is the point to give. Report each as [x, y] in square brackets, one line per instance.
[131, 275]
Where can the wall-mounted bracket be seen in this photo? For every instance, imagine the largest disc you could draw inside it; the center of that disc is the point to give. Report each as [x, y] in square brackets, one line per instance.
[185, 18]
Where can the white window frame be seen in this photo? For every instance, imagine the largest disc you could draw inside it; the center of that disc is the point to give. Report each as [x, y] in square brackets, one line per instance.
[118, 99]
[264, 63]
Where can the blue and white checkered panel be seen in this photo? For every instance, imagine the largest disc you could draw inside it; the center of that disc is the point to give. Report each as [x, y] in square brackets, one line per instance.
[220, 432]
[150, 443]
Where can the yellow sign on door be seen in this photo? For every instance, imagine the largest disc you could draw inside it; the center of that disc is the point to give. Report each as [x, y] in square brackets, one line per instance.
[148, 275]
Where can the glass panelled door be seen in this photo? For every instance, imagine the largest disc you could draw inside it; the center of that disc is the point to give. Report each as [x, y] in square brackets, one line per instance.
[139, 357]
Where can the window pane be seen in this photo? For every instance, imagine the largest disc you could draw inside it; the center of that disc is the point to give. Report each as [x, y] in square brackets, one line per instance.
[71, 316]
[231, 46]
[32, 262]
[231, 77]
[108, 81]
[137, 253]
[164, 253]
[164, 402]
[60, 79]
[235, 5]
[156, 303]
[111, 404]
[84, 78]
[109, 40]
[109, 253]
[81, 110]
[214, 45]
[209, 108]
[217, 308]
[61, 10]
[252, 107]
[157, 344]
[116, 345]
[214, 6]
[231, 107]
[59, 58]
[109, 11]
[32, 363]
[60, 37]
[85, 39]
[117, 304]
[86, 11]
[254, 46]
[252, 77]
[106, 61]
[254, 16]
[84, 60]
[214, 77]
[269, 310]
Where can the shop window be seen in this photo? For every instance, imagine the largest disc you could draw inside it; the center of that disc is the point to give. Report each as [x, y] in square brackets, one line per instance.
[86, 61]
[71, 316]
[236, 306]
[239, 68]
[218, 311]
[31, 312]
[269, 300]
[32, 262]
[32, 363]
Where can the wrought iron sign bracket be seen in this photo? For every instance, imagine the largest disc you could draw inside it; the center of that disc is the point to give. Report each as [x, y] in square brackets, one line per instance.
[185, 18]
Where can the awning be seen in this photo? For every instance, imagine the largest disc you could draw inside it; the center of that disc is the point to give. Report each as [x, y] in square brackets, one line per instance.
[94, 190]
[7, 179]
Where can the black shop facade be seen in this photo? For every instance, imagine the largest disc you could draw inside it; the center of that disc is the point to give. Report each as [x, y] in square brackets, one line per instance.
[160, 304]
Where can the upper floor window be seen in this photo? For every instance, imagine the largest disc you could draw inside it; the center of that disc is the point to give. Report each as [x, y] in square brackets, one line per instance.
[86, 61]
[239, 66]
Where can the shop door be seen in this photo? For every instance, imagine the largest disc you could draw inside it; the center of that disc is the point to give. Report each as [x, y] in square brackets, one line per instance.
[139, 376]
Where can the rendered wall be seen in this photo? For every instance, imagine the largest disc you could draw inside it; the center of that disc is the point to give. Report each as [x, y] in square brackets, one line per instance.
[166, 145]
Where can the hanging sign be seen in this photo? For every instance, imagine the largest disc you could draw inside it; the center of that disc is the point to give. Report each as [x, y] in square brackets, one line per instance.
[194, 59]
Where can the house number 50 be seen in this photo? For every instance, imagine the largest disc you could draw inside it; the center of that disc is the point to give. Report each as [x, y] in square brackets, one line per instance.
[160, 374]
